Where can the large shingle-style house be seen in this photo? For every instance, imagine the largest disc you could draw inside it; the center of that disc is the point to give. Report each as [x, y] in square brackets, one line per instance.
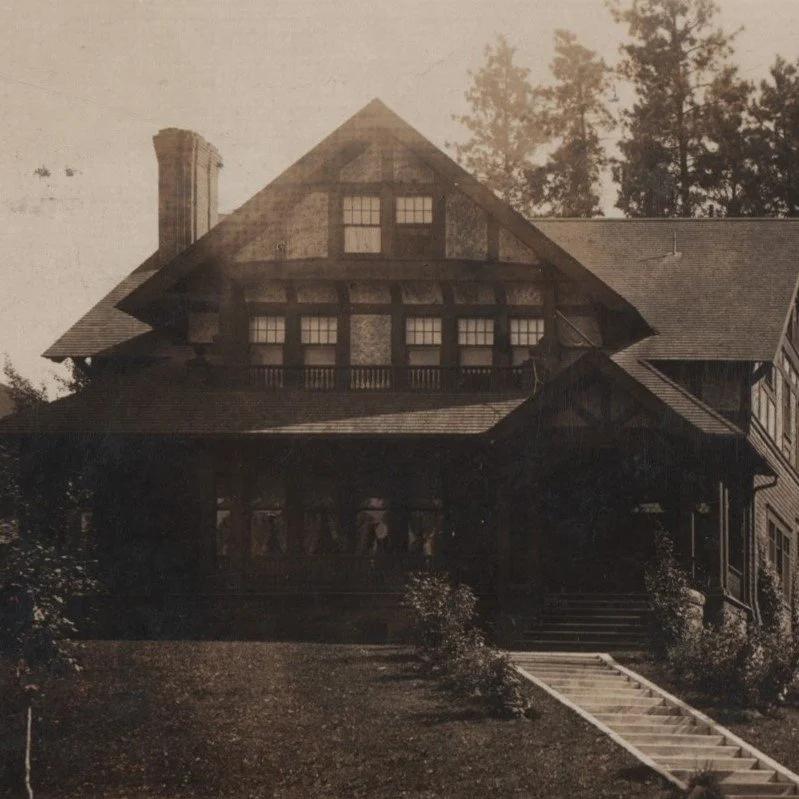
[375, 364]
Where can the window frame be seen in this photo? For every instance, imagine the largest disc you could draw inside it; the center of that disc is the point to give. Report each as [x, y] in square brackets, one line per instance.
[401, 213]
[352, 224]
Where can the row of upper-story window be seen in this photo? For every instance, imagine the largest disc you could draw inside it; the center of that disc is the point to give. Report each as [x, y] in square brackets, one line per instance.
[775, 404]
[424, 336]
[362, 219]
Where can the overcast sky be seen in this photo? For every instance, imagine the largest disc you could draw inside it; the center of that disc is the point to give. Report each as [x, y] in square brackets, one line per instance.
[86, 83]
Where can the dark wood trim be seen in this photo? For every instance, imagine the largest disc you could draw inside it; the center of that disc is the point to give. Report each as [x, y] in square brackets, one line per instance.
[343, 337]
[449, 326]
[369, 267]
[502, 347]
[292, 349]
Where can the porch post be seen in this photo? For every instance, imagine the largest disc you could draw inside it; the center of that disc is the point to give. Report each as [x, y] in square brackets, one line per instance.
[238, 516]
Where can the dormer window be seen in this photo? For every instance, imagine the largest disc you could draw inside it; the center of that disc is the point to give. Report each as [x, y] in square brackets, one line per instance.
[362, 232]
[414, 210]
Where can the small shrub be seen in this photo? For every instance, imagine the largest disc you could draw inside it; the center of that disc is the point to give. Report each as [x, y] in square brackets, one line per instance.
[773, 613]
[448, 641]
[669, 596]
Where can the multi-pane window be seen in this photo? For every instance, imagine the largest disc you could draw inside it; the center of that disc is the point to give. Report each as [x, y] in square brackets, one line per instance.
[475, 342]
[423, 347]
[267, 330]
[476, 332]
[524, 333]
[776, 406]
[319, 330]
[766, 403]
[423, 330]
[362, 224]
[267, 336]
[318, 335]
[779, 553]
[414, 210]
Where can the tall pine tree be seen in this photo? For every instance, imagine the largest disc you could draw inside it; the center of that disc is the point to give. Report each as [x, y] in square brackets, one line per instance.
[576, 113]
[674, 57]
[777, 114]
[504, 125]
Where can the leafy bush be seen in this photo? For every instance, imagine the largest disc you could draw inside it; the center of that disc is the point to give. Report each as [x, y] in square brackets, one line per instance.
[456, 650]
[753, 664]
[669, 596]
[773, 612]
[37, 579]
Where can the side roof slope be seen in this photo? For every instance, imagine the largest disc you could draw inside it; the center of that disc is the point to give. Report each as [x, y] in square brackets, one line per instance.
[725, 294]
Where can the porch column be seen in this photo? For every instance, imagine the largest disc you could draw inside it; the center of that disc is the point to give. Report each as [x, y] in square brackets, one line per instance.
[504, 522]
[239, 527]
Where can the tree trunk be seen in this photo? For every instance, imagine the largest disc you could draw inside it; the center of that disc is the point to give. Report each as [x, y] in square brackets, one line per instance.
[28, 746]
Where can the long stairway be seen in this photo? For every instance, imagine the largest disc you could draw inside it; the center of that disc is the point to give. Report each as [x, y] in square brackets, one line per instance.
[589, 623]
[663, 732]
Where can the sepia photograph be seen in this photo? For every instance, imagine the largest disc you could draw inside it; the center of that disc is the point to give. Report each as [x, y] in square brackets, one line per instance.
[399, 399]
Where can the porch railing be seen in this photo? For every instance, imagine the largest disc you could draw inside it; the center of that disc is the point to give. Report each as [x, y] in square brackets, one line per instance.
[383, 378]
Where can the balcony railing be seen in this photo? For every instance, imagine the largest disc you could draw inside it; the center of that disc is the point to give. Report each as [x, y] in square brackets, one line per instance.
[383, 378]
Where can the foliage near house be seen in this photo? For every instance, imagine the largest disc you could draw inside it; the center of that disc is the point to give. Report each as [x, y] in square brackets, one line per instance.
[751, 664]
[456, 651]
[668, 590]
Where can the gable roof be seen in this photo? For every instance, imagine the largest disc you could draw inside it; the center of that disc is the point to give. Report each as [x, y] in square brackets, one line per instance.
[241, 226]
[105, 326]
[726, 295]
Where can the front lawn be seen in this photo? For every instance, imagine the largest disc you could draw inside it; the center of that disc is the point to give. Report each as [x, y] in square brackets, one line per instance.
[232, 719]
[776, 732]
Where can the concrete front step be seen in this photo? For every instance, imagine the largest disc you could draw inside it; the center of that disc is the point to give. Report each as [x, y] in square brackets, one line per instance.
[535, 645]
[756, 777]
[599, 625]
[697, 751]
[684, 738]
[691, 763]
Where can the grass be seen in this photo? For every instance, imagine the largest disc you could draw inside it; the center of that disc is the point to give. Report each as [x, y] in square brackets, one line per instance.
[233, 719]
[776, 733]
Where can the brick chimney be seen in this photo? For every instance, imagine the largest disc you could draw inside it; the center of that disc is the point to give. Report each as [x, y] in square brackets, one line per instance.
[188, 178]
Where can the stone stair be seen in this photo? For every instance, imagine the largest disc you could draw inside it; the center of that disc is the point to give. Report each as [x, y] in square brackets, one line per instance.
[660, 730]
[589, 622]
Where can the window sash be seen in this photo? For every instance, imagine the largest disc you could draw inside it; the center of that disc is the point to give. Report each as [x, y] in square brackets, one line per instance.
[526, 332]
[318, 330]
[416, 210]
[476, 332]
[423, 331]
[362, 211]
[267, 330]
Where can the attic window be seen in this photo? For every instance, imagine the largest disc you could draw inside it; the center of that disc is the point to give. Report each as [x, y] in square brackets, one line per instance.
[414, 210]
[362, 224]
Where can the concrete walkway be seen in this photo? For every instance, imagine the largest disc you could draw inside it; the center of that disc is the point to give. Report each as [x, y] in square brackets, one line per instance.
[663, 732]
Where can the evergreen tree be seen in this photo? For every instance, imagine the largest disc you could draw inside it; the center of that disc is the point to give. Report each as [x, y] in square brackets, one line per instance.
[777, 114]
[504, 125]
[728, 168]
[568, 184]
[675, 55]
